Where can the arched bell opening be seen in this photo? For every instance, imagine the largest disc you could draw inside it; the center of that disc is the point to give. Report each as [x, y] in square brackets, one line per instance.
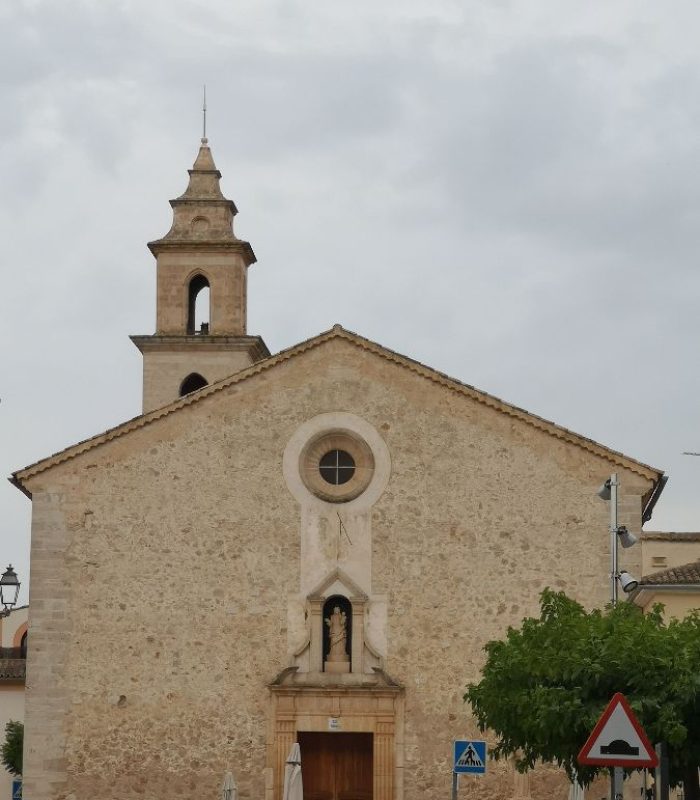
[337, 634]
[199, 306]
[191, 383]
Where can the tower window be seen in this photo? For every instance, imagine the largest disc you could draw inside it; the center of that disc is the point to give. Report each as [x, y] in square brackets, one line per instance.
[198, 306]
[191, 383]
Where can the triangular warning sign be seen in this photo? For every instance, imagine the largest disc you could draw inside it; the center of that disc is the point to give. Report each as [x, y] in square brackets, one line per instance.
[618, 740]
[469, 758]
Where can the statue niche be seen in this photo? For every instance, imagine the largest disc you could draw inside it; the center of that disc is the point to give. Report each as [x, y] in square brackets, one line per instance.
[337, 634]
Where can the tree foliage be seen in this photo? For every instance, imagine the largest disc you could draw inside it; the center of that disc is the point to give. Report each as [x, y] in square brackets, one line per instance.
[12, 747]
[545, 686]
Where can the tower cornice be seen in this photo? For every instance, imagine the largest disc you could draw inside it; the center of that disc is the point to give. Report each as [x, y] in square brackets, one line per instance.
[223, 202]
[237, 246]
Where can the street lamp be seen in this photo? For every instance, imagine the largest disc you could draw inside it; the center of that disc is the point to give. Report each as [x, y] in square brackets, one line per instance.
[619, 535]
[9, 591]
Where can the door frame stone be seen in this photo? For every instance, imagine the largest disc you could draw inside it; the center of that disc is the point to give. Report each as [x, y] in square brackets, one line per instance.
[358, 709]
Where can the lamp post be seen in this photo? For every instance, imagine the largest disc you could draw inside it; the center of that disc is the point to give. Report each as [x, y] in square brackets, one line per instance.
[9, 591]
[619, 535]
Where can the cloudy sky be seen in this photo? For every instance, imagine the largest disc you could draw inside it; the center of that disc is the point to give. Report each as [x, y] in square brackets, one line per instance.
[507, 191]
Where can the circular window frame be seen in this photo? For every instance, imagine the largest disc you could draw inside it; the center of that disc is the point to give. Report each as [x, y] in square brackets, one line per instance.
[318, 446]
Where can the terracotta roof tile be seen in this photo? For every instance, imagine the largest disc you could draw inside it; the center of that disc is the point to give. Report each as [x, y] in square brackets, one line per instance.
[685, 575]
[670, 536]
[12, 669]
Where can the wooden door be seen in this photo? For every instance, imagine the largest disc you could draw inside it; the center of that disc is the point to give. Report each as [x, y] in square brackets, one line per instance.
[336, 766]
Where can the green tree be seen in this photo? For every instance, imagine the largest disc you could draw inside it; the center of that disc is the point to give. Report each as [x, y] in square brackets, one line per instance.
[545, 685]
[12, 747]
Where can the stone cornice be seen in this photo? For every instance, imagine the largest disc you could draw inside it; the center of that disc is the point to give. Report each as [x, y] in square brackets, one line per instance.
[204, 246]
[224, 202]
[199, 343]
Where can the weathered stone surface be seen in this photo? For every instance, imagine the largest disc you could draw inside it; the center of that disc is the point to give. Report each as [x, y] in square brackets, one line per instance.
[166, 564]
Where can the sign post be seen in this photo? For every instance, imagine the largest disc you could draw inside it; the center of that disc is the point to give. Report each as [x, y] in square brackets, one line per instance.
[661, 773]
[617, 741]
[469, 758]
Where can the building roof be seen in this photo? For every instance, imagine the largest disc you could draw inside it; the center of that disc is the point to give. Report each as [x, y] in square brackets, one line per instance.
[685, 575]
[670, 536]
[615, 458]
[13, 667]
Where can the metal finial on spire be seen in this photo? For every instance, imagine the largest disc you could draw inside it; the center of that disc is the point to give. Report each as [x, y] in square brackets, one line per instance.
[204, 116]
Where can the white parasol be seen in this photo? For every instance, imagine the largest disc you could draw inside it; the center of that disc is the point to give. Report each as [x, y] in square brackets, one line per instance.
[293, 789]
[575, 790]
[229, 791]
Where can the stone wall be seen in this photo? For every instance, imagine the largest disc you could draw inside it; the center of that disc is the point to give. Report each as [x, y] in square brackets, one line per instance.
[163, 560]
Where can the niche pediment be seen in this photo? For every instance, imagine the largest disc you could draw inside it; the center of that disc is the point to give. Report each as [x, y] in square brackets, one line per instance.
[338, 582]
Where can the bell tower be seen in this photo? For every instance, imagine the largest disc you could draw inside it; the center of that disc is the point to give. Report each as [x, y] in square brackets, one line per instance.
[201, 275]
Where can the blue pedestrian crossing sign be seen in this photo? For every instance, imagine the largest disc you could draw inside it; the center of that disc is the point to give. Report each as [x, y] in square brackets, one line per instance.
[469, 757]
[16, 790]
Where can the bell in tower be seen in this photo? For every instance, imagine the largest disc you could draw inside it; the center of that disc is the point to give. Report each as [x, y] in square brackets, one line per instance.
[202, 271]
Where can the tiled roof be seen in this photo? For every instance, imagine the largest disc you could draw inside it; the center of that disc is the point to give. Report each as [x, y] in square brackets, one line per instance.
[663, 536]
[13, 669]
[685, 575]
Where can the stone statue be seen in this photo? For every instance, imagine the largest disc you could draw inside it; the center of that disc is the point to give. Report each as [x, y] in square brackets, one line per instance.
[338, 633]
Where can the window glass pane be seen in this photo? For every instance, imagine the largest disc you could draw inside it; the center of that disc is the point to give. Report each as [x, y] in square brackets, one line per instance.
[337, 467]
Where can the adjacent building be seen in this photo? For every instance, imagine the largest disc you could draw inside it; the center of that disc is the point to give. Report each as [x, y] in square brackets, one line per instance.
[13, 660]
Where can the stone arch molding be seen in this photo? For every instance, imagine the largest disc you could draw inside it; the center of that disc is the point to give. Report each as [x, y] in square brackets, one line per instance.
[365, 657]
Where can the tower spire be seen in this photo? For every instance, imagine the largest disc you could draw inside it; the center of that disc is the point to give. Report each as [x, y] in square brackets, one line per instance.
[204, 116]
[202, 268]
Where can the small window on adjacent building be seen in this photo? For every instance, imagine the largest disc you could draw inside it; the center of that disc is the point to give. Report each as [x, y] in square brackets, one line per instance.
[191, 383]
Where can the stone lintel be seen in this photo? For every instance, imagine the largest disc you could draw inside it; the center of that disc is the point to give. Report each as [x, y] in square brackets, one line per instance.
[291, 680]
[354, 599]
[329, 690]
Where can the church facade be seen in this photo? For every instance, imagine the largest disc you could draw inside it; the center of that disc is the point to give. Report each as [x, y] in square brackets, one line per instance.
[312, 546]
